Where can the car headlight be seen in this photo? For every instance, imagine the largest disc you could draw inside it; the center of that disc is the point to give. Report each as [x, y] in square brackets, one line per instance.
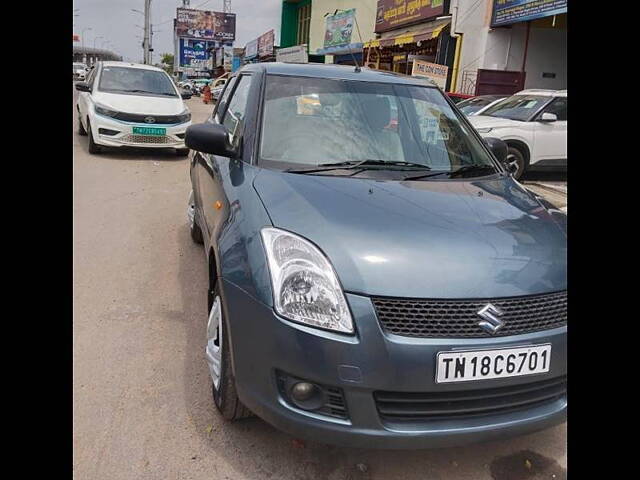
[484, 130]
[107, 112]
[185, 116]
[305, 286]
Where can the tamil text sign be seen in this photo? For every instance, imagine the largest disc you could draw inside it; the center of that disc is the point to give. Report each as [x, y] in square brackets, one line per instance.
[433, 71]
[205, 24]
[393, 14]
[506, 12]
[338, 28]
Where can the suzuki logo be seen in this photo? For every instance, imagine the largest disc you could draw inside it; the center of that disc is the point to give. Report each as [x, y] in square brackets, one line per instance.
[149, 120]
[490, 321]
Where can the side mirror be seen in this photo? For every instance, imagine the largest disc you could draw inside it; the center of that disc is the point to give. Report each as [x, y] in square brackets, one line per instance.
[498, 147]
[83, 87]
[210, 138]
[548, 117]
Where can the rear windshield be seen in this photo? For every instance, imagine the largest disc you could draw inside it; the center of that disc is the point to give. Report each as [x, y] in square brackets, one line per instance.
[136, 81]
[310, 121]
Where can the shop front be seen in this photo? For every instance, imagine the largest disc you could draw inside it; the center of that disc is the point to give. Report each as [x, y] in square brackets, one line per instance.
[408, 31]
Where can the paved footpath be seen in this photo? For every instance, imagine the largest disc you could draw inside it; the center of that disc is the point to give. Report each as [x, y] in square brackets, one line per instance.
[142, 406]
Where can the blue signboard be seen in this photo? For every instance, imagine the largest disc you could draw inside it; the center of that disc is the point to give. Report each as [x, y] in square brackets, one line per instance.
[506, 12]
[194, 53]
[235, 65]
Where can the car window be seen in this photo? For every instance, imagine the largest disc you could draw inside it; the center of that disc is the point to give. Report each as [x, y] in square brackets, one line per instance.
[559, 107]
[234, 115]
[311, 121]
[517, 107]
[138, 81]
[219, 109]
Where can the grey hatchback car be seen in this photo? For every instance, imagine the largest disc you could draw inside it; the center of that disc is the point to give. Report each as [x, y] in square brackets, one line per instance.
[377, 278]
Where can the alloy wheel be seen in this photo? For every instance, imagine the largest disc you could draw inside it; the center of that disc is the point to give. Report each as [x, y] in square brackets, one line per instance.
[214, 342]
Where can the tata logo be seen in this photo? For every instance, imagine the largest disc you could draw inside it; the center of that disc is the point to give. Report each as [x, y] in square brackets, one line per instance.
[149, 120]
[490, 321]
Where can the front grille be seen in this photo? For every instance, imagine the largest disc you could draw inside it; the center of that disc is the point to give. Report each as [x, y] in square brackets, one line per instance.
[158, 119]
[147, 139]
[459, 318]
[400, 406]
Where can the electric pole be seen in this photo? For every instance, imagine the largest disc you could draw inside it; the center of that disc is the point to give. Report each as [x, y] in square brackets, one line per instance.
[147, 29]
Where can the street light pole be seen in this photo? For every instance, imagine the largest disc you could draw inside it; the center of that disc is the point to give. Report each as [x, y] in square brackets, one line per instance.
[83, 52]
[147, 29]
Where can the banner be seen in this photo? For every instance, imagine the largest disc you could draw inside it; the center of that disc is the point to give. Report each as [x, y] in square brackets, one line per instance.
[205, 24]
[393, 14]
[296, 54]
[265, 44]
[506, 12]
[433, 71]
[194, 52]
[338, 28]
[251, 49]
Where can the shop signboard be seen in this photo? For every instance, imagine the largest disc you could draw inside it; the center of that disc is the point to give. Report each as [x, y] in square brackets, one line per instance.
[392, 14]
[437, 73]
[297, 54]
[265, 44]
[251, 49]
[205, 24]
[506, 12]
[236, 63]
[338, 28]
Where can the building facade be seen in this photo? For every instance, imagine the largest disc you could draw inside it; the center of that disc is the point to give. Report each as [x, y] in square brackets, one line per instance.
[509, 45]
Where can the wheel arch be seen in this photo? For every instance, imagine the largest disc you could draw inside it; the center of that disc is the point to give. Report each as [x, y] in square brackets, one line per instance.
[522, 146]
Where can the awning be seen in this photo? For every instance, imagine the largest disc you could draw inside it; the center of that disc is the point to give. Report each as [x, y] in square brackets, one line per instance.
[427, 34]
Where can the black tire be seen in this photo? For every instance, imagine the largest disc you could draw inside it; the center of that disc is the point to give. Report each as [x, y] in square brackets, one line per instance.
[81, 131]
[93, 147]
[516, 156]
[182, 152]
[196, 233]
[225, 397]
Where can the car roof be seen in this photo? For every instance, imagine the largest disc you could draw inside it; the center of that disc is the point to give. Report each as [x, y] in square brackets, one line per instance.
[336, 72]
[543, 92]
[131, 65]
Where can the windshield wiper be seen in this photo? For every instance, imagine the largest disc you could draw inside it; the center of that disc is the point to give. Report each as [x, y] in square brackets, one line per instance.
[453, 173]
[350, 165]
[471, 168]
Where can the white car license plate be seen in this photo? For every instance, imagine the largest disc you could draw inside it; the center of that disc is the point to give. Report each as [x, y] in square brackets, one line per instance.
[464, 366]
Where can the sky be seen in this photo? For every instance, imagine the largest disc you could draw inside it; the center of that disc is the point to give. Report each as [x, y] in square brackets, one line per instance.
[113, 24]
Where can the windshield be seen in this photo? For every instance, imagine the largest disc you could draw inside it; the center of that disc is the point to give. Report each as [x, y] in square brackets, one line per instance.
[313, 121]
[136, 81]
[517, 107]
[472, 105]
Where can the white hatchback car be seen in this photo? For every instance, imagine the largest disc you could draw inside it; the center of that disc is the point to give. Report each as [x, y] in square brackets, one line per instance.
[533, 123]
[128, 104]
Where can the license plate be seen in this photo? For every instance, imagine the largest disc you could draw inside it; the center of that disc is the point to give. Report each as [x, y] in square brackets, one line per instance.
[150, 130]
[470, 365]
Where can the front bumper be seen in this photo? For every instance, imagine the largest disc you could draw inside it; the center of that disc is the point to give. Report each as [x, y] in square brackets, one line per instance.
[264, 344]
[125, 137]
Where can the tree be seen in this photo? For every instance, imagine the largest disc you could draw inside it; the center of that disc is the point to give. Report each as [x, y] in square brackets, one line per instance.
[167, 62]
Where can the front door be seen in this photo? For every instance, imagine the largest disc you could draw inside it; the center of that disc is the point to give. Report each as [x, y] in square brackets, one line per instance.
[551, 137]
